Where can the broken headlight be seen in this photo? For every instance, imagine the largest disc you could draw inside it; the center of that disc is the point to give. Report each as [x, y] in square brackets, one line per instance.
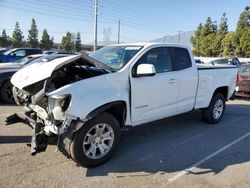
[57, 105]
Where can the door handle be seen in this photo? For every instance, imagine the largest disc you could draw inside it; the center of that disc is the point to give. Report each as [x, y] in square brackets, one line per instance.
[172, 81]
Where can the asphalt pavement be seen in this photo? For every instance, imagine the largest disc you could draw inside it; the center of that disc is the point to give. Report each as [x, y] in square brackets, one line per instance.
[180, 151]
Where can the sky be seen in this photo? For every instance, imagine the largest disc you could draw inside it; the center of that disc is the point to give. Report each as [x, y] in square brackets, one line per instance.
[140, 20]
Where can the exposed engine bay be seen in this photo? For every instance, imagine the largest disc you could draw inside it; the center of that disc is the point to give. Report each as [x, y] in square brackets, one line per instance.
[65, 75]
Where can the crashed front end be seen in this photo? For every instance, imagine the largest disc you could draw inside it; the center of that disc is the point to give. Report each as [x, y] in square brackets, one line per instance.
[46, 113]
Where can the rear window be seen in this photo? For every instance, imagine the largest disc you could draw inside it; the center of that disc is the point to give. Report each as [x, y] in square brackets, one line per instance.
[181, 58]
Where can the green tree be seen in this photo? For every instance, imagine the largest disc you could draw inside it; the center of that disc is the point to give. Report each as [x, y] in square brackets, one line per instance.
[228, 44]
[245, 43]
[204, 39]
[196, 40]
[17, 36]
[78, 45]
[33, 35]
[244, 20]
[209, 27]
[221, 33]
[46, 42]
[67, 43]
[242, 25]
[207, 47]
[5, 40]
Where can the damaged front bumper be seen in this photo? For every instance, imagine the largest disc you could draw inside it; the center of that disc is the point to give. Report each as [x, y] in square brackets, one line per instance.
[39, 140]
[46, 124]
[43, 134]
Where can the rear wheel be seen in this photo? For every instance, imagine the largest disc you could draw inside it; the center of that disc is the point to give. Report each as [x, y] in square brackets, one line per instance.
[214, 112]
[95, 142]
[6, 93]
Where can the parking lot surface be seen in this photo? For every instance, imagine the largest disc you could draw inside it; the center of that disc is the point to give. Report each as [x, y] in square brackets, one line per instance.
[180, 151]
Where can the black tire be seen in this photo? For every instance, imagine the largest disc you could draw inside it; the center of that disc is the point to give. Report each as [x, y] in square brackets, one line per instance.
[208, 113]
[77, 146]
[6, 93]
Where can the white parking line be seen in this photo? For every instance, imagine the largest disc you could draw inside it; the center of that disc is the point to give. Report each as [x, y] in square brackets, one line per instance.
[186, 171]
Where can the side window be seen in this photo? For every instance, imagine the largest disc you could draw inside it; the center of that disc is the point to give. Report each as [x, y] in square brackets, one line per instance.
[159, 57]
[30, 52]
[182, 58]
[19, 53]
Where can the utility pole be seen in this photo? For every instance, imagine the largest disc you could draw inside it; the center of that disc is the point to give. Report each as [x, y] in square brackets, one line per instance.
[179, 36]
[119, 28]
[95, 24]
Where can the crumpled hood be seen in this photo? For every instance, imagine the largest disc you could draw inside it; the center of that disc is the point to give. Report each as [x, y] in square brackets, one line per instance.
[40, 71]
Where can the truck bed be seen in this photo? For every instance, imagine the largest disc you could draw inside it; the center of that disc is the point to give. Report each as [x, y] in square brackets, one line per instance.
[212, 77]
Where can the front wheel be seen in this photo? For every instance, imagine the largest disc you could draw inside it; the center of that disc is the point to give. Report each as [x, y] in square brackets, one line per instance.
[95, 142]
[214, 112]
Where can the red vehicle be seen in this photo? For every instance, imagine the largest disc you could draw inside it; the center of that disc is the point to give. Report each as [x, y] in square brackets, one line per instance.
[243, 81]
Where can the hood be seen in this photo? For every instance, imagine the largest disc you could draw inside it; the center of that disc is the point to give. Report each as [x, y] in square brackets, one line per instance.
[8, 67]
[40, 71]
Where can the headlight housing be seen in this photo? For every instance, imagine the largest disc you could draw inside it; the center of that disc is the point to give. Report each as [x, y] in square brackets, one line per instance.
[57, 105]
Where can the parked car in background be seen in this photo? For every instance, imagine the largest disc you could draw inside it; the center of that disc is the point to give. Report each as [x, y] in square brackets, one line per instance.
[198, 61]
[229, 61]
[48, 52]
[243, 81]
[58, 52]
[8, 69]
[18, 53]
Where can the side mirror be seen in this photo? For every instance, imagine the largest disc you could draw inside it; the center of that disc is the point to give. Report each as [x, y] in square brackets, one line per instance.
[13, 54]
[145, 70]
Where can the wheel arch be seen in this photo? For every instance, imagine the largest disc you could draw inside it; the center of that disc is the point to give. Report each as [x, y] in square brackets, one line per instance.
[117, 108]
[223, 90]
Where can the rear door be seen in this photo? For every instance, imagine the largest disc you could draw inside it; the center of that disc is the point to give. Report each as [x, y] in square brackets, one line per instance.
[154, 97]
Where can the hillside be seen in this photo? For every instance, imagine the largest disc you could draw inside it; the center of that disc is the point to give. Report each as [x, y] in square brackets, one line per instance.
[184, 38]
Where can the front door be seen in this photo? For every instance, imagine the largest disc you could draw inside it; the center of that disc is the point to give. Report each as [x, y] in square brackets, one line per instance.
[154, 97]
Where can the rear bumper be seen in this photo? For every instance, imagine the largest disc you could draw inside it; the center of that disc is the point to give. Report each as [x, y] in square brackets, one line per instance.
[242, 91]
[243, 94]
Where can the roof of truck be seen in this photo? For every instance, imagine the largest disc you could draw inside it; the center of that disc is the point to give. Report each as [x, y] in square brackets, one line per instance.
[150, 44]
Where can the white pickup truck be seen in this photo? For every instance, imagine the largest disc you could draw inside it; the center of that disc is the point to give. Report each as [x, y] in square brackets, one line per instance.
[85, 101]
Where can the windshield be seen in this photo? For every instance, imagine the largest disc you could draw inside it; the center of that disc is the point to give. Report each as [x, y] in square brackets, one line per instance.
[220, 61]
[244, 69]
[9, 51]
[115, 57]
[24, 60]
